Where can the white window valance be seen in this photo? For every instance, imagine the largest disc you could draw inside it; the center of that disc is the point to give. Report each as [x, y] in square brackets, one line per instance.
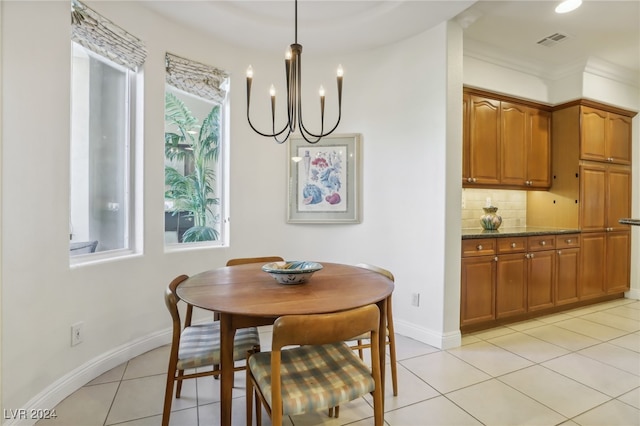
[101, 36]
[196, 78]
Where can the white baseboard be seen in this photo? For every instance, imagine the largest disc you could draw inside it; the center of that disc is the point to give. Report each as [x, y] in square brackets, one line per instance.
[53, 394]
[428, 336]
[634, 294]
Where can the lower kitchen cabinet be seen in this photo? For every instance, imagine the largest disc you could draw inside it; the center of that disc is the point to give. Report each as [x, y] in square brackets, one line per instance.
[541, 269]
[477, 292]
[567, 269]
[511, 285]
[592, 264]
[508, 279]
[605, 263]
[618, 261]
[566, 278]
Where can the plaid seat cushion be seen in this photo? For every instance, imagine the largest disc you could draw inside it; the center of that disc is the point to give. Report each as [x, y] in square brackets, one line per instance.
[200, 345]
[314, 377]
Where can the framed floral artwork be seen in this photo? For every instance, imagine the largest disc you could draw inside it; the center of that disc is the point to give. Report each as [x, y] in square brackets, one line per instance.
[324, 180]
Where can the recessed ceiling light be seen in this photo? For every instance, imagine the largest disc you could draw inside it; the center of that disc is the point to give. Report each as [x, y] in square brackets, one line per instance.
[568, 6]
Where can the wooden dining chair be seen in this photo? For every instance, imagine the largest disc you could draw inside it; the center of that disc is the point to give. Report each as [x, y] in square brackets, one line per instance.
[194, 346]
[391, 338]
[245, 260]
[322, 372]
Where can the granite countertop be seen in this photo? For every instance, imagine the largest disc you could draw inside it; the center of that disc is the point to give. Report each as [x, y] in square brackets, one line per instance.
[522, 231]
[635, 222]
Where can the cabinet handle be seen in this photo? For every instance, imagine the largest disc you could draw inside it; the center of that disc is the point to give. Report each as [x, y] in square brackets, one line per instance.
[559, 252]
[475, 180]
[495, 259]
[513, 245]
[479, 247]
[543, 243]
[526, 256]
[531, 256]
[469, 179]
[568, 241]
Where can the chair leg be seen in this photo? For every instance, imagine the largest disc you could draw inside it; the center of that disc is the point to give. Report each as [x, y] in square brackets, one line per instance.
[391, 336]
[337, 412]
[258, 410]
[249, 397]
[168, 397]
[330, 411]
[179, 385]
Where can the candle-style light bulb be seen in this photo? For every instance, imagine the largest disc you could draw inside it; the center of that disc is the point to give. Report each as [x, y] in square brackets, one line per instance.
[272, 91]
[321, 91]
[287, 54]
[250, 72]
[340, 71]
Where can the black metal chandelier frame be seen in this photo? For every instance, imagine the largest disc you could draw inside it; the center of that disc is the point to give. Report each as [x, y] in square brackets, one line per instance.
[293, 69]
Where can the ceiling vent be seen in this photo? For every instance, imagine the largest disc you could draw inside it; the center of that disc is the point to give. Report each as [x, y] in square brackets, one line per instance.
[553, 39]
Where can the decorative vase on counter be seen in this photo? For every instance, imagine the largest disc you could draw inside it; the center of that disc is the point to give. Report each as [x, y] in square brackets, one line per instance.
[490, 220]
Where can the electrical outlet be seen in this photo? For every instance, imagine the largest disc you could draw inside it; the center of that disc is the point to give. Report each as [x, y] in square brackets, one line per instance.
[77, 334]
[415, 299]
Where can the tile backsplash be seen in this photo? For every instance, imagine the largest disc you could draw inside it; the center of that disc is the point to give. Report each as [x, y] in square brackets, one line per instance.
[511, 204]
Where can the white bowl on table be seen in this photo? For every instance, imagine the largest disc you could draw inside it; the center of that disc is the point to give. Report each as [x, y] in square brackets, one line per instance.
[292, 272]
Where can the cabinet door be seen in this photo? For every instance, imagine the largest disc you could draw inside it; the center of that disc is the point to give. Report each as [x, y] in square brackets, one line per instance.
[593, 132]
[511, 280]
[477, 293]
[514, 133]
[618, 256]
[539, 150]
[484, 140]
[566, 279]
[593, 188]
[540, 279]
[618, 191]
[592, 264]
[619, 139]
[466, 172]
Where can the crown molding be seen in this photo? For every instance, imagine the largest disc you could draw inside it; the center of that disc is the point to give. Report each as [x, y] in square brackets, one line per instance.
[487, 53]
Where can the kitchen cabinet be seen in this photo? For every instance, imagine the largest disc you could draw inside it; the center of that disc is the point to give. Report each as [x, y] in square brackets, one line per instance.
[525, 276]
[567, 269]
[618, 255]
[477, 290]
[506, 144]
[483, 144]
[605, 263]
[526, 146]
[541, 272]
[511, 285]
[512, 276]
[605, 136]
[605, 192]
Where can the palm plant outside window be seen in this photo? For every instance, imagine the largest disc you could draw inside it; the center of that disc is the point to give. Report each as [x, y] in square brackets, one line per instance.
[192, 152]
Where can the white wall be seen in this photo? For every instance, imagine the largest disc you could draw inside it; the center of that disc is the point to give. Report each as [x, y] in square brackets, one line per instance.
[401, 98]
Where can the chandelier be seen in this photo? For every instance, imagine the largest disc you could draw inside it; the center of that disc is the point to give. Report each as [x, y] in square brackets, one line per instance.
[293, 70]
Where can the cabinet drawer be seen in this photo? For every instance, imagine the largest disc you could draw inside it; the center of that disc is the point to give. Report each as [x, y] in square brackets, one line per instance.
[512, 245]
[541, 242]
[567, 241]
[478, 247]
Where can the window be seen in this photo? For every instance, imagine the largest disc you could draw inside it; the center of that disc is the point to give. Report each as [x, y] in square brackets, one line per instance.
[102, 112]
[194, 134]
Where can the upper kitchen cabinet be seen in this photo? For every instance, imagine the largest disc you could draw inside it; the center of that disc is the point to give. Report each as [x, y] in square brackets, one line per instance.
[482, 144]
[605, 136]
[506, 142]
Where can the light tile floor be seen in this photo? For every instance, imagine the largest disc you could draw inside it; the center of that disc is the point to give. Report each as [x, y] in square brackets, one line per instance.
[580, 367]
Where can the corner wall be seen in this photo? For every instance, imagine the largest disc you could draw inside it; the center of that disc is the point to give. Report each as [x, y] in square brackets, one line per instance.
[405, 227]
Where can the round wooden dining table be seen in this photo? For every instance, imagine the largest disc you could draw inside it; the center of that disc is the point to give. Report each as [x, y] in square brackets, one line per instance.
[245, 296]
